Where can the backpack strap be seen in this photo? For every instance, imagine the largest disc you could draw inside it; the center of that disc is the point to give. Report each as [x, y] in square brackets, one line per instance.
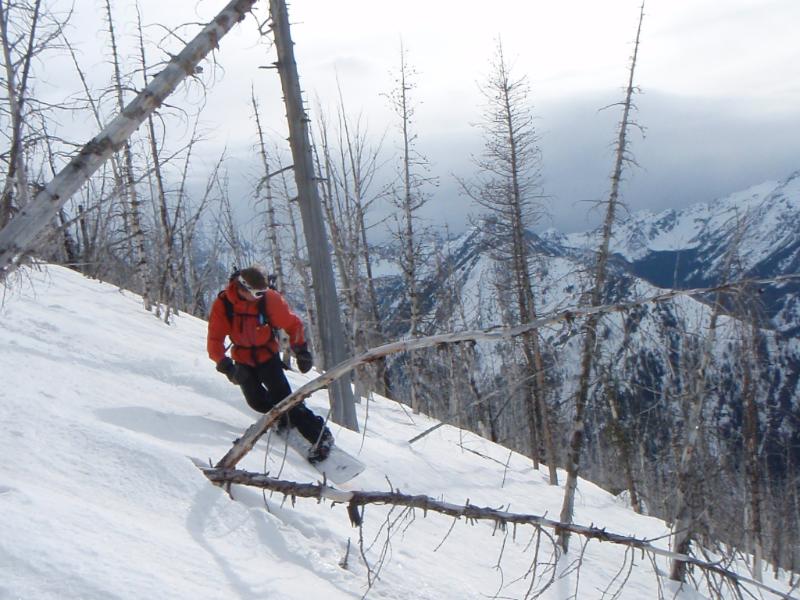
[262, 308]
[227, 304]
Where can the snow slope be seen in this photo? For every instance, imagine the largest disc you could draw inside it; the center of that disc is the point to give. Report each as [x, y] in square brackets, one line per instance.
[102, 407]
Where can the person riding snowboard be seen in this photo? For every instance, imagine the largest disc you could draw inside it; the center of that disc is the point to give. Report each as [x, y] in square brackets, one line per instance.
[247, 311]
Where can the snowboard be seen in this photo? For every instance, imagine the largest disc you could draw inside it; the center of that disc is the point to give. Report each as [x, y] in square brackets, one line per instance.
[338, 468]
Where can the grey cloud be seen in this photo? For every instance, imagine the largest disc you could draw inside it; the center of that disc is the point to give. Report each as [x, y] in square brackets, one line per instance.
[694, 150]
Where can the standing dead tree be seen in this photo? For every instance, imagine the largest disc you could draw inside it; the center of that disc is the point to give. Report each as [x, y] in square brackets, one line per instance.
[751, 366]
[348, 164]
[272, 227]
[687, 520]
[133, 203]
[265, 187]
[27, 30]
[409, 198]
[330, 322]
[163, 264]
[93, 244]
[509, 187]
[19, 236]
[590, 338]
[16, 90]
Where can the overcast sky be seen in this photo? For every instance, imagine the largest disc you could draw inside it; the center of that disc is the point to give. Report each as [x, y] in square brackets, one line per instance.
[720, 86]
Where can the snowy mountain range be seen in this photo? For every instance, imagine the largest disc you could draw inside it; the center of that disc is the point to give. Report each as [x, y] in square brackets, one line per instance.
[103, 408]
[750, 234]
[648, 353]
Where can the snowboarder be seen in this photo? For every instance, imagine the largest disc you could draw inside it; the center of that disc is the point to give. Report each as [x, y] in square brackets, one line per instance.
[247, 311]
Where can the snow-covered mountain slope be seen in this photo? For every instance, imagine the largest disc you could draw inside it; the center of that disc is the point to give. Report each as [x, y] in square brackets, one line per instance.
[754, 233]
[102, 407]
[761, 218]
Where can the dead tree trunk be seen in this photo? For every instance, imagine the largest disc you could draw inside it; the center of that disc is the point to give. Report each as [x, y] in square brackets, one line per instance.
[408, 200]
[687, 497]
[622, 439]
[271, 222]
[689, 478]
[266, 185]
[166, 271]
[133, 204]
[301, 266]
[335, 202]
[330, 321]
[348, 167]
[17, 90]
[116, 169]
[509, 187]
[18, 236]
[589, 349]
[751, 438]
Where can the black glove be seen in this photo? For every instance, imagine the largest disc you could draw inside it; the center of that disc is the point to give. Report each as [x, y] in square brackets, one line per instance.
[303, 358]
[231, 370]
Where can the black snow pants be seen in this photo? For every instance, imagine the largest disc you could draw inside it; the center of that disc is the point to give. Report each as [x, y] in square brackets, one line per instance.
[265, 385]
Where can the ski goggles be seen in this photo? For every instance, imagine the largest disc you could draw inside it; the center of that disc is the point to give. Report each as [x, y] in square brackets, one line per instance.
[254, 291]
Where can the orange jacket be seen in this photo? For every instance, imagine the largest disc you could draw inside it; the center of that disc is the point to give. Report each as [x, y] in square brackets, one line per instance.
[252, 343]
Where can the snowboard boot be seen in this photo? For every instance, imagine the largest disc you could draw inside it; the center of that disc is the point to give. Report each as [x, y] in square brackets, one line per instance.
[283, 426]
[322, 448]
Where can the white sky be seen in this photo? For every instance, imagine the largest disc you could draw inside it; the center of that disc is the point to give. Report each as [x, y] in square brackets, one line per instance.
[721, 83]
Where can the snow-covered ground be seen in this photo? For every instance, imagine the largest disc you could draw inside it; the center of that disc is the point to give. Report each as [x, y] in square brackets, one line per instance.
[102, 409]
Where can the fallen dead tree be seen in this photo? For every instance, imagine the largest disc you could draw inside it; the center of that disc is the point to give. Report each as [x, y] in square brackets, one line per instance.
[248, 440]
[356, 500]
